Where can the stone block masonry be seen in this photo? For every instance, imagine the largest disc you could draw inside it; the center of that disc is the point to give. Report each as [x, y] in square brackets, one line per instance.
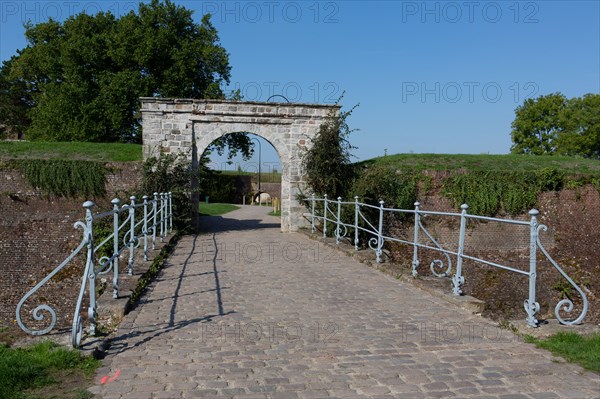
[190, 126]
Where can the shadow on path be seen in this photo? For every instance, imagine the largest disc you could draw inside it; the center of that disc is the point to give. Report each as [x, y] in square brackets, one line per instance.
[122, 342]
[219, 224]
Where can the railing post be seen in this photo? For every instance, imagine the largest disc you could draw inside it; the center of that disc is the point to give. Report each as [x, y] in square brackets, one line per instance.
[154, 219]
[338, 231]
[162, 216]
[531, 306]
[458, 280]
[312, 215]
[145, 231]
[89, 266]
[116, 203]
[325, 216]
[379, 250]
[131, 234]
[415, 260]
[166, 214]
[170, 211]
[356, 223]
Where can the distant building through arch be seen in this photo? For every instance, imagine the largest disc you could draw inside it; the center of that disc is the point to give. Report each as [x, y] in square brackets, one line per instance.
[175, 125]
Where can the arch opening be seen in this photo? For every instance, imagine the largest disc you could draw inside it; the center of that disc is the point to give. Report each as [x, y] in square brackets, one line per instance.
[241, 179]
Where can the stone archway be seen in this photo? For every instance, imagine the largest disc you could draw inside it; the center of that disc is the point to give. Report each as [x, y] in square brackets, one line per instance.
[175, 125]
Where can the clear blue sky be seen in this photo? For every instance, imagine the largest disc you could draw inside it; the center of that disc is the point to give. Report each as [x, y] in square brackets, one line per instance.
[430, 77]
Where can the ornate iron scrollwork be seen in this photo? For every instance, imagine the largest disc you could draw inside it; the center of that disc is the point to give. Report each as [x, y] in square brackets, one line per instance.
[566, 305]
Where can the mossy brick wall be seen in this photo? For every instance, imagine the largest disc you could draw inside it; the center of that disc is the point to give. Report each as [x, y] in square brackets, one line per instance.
[37, 234]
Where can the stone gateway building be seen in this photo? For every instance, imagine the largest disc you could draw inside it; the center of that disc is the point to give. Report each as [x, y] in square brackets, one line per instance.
[190, 126]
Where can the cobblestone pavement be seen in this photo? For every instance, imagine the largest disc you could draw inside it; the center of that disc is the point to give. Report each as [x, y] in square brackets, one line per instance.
[245, 311]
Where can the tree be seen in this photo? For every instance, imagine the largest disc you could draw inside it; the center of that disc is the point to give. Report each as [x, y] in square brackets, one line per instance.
[553, 124]
[327, 162]
[14, 103]
[81, 80]
[581, 132]
[536, 125]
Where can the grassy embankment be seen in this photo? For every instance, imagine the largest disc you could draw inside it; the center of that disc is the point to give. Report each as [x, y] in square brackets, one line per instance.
[486, 162]
[101, 152]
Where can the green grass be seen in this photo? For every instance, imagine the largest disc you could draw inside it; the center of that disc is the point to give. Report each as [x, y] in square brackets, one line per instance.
[102, 152]
[216, 209]
[486, 162]
[584, 350]
[38, 366]
[275, 213]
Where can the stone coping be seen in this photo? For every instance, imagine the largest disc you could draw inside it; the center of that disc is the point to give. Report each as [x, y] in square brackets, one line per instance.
[213, 101]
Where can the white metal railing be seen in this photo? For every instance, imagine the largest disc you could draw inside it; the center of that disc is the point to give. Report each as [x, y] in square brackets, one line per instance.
[157, 217]
[321, 210]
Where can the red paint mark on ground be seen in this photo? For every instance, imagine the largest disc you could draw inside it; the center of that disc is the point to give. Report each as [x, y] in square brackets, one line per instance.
[107, 379]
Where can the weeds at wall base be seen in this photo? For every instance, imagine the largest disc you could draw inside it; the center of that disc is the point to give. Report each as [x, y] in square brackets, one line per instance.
[153, 271]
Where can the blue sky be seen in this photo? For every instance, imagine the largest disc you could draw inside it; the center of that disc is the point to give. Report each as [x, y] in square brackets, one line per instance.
[430, 77]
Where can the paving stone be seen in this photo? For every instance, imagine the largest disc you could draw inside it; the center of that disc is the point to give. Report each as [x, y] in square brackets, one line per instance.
[244, 311]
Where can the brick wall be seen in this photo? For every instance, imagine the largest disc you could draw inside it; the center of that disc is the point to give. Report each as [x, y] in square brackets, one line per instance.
[37, 234]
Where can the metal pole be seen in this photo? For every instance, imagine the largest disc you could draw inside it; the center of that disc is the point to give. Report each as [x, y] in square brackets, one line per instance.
[155, 215]
[131, 234]
[165, 214]
[89, 265]
[116, 203]
[162, 216]
[380, 233]
[338, 230]
[325, 216]
[145, 232]
[356, 223]
[531, 306]
[458, 280]
[312, 215]
[170, 211]
[259, 162]
[415, 261]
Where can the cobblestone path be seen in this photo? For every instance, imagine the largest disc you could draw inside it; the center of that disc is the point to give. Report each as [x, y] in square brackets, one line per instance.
[245, 311]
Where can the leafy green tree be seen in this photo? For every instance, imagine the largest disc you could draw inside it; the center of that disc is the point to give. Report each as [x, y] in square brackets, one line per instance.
[327, 162]
[81, 80]
[581, 121]
[14, 103]
[536, 125]
[553, 124]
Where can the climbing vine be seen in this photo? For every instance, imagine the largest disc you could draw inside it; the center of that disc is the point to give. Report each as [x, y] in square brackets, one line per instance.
[493, 192]
[64, 178]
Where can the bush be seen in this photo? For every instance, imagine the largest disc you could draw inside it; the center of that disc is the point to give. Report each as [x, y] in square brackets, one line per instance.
[171, 173]
[327, 162]
[398, 188]
[218, 187]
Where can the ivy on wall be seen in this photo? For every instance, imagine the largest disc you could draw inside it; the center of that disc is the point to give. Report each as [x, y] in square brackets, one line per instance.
[64, 178]
[492, 192]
